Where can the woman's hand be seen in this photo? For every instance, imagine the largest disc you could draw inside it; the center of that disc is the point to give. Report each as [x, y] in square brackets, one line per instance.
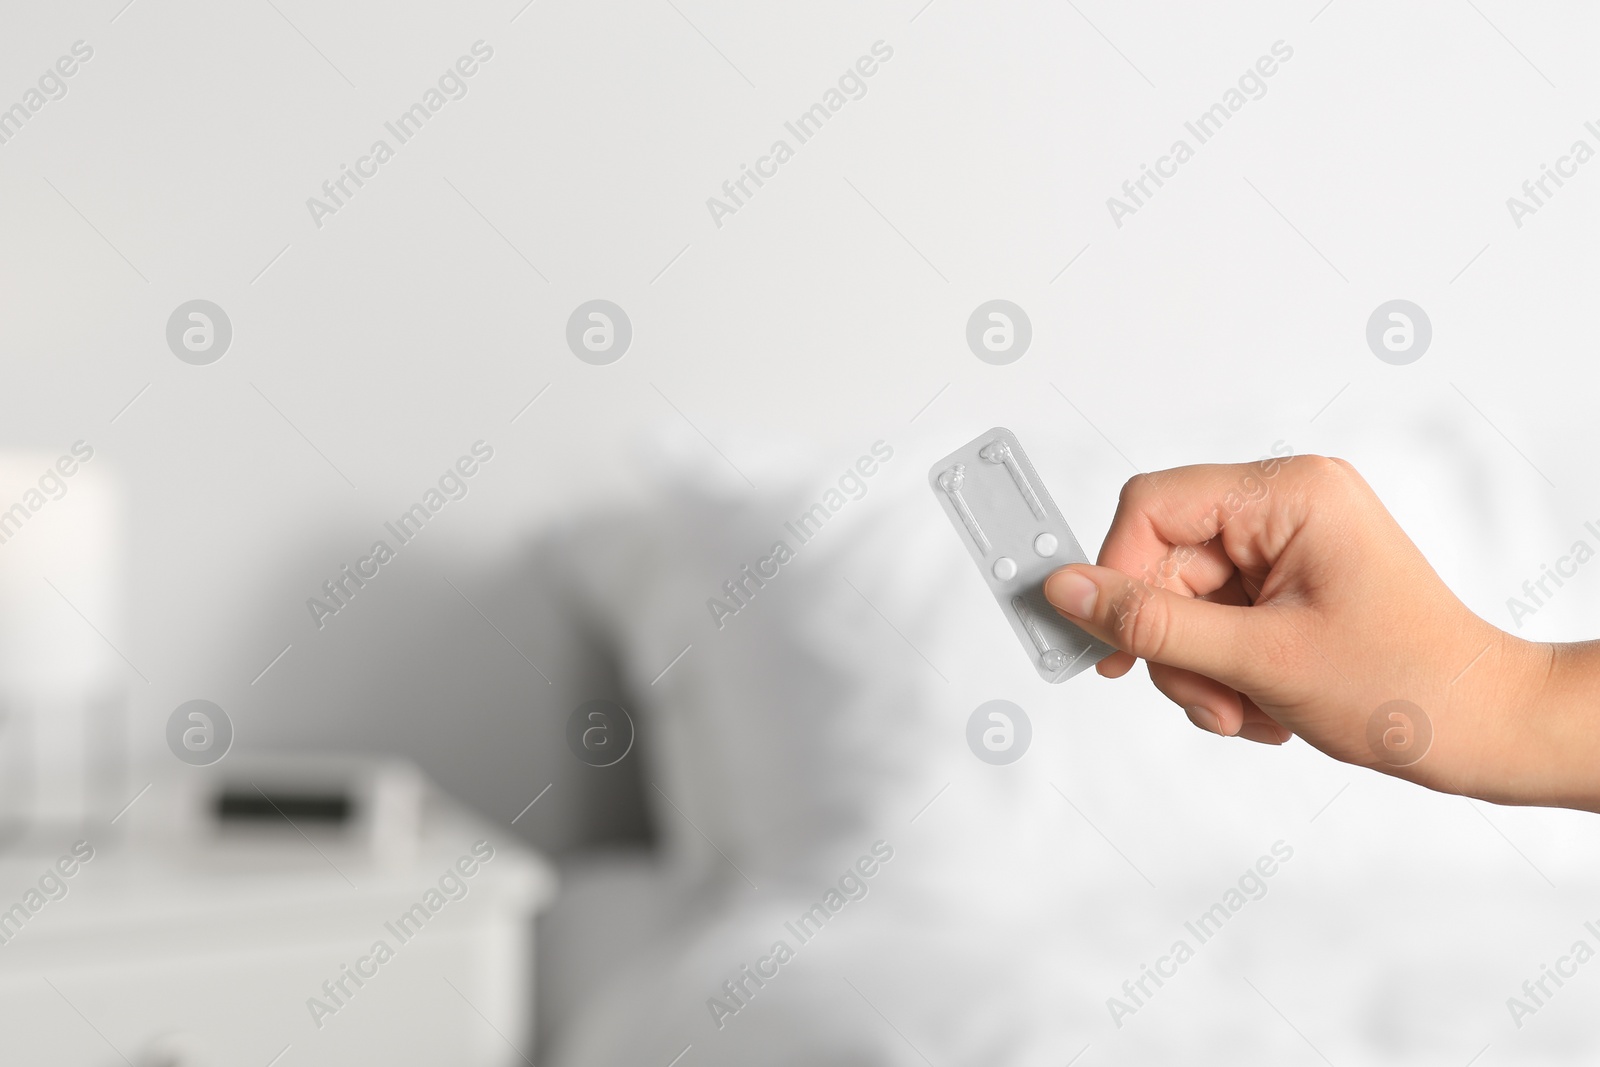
[1280, 598]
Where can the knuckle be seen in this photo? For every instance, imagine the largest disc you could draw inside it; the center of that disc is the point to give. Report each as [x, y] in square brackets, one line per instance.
[1137, 490]
[1325, 477]
[1327, 469]
[1139, 621]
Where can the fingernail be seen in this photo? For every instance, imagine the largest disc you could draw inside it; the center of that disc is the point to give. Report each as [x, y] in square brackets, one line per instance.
[1072, 593]
[1263, 733]
[1203, 718]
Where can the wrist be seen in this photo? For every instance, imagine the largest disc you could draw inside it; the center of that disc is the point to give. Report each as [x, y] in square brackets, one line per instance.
[1538, 719]
[1559, 754]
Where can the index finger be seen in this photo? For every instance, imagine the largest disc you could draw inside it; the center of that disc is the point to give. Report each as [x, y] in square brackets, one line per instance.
[1191, 527]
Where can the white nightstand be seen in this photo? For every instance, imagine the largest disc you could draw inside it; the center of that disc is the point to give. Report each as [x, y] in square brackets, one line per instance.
[181, 944]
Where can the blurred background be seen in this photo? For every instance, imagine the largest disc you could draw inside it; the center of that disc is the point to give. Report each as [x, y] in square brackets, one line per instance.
[231, 370]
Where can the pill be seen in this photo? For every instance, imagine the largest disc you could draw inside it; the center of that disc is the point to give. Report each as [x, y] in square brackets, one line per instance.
[1015, 534]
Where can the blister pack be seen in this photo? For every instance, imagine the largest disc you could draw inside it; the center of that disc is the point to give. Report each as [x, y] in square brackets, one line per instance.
[1015, 532]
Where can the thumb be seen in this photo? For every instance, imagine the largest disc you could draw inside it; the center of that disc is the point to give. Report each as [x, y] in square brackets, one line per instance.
[1220, 641]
